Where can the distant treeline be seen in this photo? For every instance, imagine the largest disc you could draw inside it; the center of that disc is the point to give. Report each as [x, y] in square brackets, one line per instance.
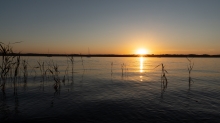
[113, 55]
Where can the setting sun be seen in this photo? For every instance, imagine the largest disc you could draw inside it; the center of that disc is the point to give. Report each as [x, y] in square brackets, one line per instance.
[141, 51]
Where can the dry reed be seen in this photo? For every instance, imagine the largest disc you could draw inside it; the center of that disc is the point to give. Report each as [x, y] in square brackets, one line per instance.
[7, 63]
[164, 81]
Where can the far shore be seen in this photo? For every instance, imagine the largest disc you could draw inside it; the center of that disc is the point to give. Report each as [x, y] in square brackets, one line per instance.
[115, 55]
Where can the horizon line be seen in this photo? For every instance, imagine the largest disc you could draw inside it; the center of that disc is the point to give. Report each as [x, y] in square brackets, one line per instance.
[113, 55]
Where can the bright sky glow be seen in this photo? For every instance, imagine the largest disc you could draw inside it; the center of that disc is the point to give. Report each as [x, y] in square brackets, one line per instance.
[142, 51]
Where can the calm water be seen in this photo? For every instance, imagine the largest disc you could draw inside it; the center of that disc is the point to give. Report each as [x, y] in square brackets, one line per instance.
[98, 91]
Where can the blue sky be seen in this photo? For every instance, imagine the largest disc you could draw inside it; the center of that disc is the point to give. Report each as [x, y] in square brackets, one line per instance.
[116, 26]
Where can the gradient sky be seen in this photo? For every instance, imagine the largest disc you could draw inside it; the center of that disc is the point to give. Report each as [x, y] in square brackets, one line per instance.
[111, 26]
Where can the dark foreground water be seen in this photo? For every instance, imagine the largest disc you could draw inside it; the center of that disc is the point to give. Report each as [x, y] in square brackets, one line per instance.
[98, 92]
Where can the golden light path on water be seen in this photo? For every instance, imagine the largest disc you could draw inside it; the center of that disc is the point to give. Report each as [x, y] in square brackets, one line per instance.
[141, 64]
[141, 67]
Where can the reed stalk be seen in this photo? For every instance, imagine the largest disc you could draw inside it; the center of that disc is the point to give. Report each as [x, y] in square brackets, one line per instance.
[164, 81]
[33, 70]
[71, 59]
[72, 64]
[122, 69]
[190, 67]
[82, 62]
[25, 72]
[55, 73]
[41, 67]
[16, 72]
[111, 68]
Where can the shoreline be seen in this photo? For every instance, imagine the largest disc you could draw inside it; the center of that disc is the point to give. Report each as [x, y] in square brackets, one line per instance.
[115, 55]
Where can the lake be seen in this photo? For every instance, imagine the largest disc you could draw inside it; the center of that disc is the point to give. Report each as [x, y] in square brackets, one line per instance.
[113, 90]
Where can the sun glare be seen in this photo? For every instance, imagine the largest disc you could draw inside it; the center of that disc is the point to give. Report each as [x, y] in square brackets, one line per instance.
[142, 51]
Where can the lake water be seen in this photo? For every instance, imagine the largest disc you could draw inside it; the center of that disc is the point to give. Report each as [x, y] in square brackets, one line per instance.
[98, 91]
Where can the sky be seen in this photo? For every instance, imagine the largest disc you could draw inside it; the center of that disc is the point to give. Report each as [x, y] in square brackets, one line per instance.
[111, 26]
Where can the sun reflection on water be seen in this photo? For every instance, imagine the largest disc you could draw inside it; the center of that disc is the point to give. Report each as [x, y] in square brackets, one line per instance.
[141, 64]
[141, 68]
[141, 78]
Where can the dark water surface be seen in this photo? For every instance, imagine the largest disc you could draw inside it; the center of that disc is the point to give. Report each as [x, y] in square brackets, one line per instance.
[98, 92]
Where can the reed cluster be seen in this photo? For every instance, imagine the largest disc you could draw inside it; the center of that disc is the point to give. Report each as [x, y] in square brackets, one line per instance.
[55, 73]
[8, 61]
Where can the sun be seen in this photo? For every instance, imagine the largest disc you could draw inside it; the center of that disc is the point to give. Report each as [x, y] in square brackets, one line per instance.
[141, 51]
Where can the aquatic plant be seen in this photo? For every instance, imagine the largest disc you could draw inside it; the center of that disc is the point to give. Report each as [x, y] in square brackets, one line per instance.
[33, 70]
[163, 71]
[43, 71]
[25, 72]
[7, 62]
[82, 62]
[111, 68]
[190, 65]
[66, 72]
[17, 64]
[55, 72]
[64, 79]
[71, 58]
[164, 81]
[124, 70]
[72, 62]
[123, 66]
[190, 82]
